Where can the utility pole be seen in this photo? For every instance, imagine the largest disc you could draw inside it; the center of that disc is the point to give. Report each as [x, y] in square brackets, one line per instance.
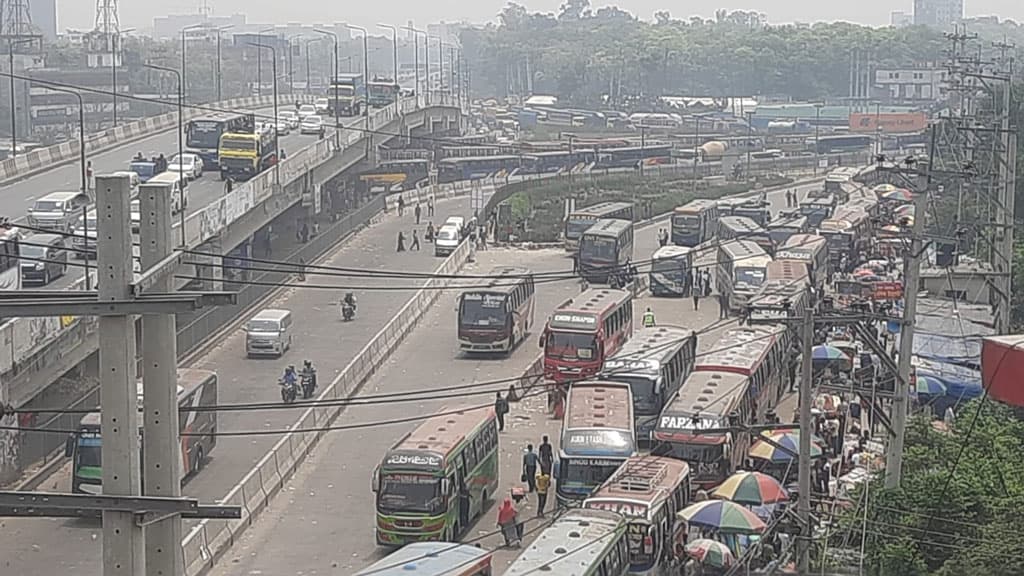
[911, 274]
[806, 431]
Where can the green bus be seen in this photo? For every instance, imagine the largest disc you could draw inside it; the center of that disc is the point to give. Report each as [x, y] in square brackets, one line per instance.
[437, 478]
[196, 388]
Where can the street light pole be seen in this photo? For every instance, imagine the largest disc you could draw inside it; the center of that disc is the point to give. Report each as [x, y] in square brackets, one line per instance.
[366, 73]
[184, 76]
[394, 49]
[181, 151]
[259, 63]
[334, 87]
[416, 53]
[308, 42]
[750, 129]
[14, 115]
[817, 123]
[440, 62]
[273, 70]
[220, 97]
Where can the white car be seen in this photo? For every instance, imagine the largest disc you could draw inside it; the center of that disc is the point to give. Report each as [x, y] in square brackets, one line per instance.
[136, 215]
[283, 127]
[306, 110]
[291, 117]
[191, 165]
[321, 105]
[312, 125]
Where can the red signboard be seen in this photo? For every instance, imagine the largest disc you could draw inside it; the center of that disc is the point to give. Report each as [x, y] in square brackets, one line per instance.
[886, 290]
[1002, 368]
[889, 123]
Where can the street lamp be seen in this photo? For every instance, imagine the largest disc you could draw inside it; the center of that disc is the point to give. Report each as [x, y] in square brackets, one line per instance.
[181, 136]
[291, 67]
[750, 143]
[184, 76]
[817, 123]
[440, 61]
[366, 72]
[219, 87]
[115, 42]
[394, 49]
[273, 70]
[333, 107]
[308, 42]
[259, 63]
[426, 55]
[14, 116]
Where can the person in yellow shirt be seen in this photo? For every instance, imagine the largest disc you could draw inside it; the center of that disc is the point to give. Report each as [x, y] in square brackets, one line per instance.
[543, 482]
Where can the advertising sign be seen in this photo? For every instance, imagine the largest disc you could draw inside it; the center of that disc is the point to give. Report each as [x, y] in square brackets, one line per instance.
[889, 123]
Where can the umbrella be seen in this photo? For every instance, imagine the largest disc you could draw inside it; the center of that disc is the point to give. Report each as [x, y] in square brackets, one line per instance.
[722, 515]
[823, 356]
[883, 189]
[751, 488]
[710, 552]
[791, 439]
[929, 385]
[905, 210]
[900, 194]
[864, 272]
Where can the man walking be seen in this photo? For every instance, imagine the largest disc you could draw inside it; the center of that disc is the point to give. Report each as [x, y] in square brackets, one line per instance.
[401, 204]
[500, 409]
[543, 482]
[723, 306]
[415, 238]
[546, 453]
[530, 468]
[416, 211]
[648, 318]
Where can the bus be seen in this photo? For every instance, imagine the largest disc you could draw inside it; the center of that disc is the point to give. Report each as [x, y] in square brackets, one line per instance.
[474, 151]
[649, 491]
[243, 156]
[654, 363]
[671, 267]
[732, 387]
[561, 160]
[432, 559]
[584, 331]
[743, 228]
[417, 484]
[605, 248]
[633, 156]
[792, 271]
[10, 263]
[817, 209]
[694, 223]
[581, 219]
[810, 250]
[396, 174]
[383, 92]
[840, 143]
[838, 178]
[752, 208]
[498, 316]
[577, 543]
[740, 270]
[477, 167]
[597, 437]
[781, 229]
[778, 300]
[202, 135]
[197, 430]
[847, 233]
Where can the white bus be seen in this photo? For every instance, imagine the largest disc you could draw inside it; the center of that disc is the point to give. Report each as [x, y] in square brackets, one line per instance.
[741, 270]
[809, 250]
[670, 271]
[578, 543]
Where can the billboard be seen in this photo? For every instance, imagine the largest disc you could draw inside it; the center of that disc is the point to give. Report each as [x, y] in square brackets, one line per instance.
[889, 123]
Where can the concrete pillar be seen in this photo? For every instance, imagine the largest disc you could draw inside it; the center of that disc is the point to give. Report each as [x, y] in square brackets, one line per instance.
[210, 269]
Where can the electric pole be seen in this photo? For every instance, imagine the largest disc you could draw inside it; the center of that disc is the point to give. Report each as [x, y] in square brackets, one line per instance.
[806, 432]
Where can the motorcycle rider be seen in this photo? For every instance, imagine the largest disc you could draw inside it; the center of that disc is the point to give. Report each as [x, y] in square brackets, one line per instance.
[289, 376]
[350, 300]
[308, 371]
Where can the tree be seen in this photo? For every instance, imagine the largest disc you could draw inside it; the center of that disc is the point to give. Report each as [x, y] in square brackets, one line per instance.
[574, 10]
[662, 17]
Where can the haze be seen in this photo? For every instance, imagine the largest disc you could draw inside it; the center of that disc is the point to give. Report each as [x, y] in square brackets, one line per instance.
[140, 13]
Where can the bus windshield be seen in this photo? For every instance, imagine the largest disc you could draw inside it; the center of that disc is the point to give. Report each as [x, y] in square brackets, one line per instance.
[242, 144]
[411, 493]
[645, 395]
[749, 275]
[571, 346]
[203, 134]
[686, 221]
[674, 268]
[575, 227]
[343, 91]
[89, 453]
[483, 310]
[598, 248]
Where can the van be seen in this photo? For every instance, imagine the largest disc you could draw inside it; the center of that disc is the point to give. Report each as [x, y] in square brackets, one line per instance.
[133, 178]
[46, 258]
[458, 221]
[268, 333]
[179, 189]
[447, 239]
[57, 211]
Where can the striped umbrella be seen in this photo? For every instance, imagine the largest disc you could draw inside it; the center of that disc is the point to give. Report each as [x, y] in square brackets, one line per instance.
[751, 488]
[883, 189]
[710, 553]
[899, 194]
[722, 515]
[929, 385]
[790, 439]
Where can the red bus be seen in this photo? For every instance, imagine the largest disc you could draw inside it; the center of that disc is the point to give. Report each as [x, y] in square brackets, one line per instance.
[584, 331]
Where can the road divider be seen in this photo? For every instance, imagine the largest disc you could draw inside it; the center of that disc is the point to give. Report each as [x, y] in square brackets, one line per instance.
[208, 540]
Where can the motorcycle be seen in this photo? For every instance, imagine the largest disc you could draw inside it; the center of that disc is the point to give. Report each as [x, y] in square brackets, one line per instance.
[308, 386]
[348, 311]
[289, 391]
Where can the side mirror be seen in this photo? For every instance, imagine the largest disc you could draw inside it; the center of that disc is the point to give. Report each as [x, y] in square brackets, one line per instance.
[445, 486]
[69, 446]
[375, 480]
[554, 468]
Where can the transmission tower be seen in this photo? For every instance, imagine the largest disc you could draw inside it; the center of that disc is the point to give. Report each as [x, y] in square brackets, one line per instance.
[17, 21]
[106, 17]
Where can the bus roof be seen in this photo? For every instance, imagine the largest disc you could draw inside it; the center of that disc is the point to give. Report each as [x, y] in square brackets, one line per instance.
[670, 251]
[741, 224]
[740, 350]
[601, 208]
[704, 401]
[189, 380]
[599, 404]
[465, 159]
[788, 222]
[648, 349]
[778, 299]
[584, 311]
[694, 206]
[430, 559]
[639, 485]
[502, 280]
[790, 271]
[746, 251]
[608, 227]
[430, 443]
[801, 243]
[571, 545]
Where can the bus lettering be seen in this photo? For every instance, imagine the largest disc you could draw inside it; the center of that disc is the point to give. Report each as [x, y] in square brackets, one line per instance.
[414, 460]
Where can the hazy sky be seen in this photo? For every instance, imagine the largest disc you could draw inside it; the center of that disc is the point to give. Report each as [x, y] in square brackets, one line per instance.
[140, 13]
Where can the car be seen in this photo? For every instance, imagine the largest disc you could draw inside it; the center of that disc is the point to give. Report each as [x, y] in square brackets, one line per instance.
[312, 124]
[191, 165]
[307, 110]
[46, 258]
[84, 240]
[321, 105]
[283, 127]
[291, 117]
[133, 178]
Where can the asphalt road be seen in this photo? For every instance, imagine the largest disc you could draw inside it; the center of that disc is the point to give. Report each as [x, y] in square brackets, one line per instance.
[57, 546]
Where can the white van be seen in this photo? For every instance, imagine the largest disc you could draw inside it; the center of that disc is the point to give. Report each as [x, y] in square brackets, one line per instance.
[447, 239]
[58, 211]
[268, 333]
[179, 189]
[456, 221]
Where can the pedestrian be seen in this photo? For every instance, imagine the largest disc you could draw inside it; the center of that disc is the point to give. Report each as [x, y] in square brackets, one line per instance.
[416, 212]
[88, 176]
[546, 453]
[228, 184]
[542, 482]
[507, 520]
[401, 242]
[428, 235]
[401, 204]
[648, 318]
[707, 283]
[512, 395]
[302, 270]
[415, 241]
[483, 237]
[530, 468]
[662, 237]
[500, 409]
[696, 299]
[723, 306]
[430, 205]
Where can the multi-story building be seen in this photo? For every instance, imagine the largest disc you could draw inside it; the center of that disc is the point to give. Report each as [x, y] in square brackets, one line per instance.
[44, 17]
[938, 13]
[921, 84]
[900, 19]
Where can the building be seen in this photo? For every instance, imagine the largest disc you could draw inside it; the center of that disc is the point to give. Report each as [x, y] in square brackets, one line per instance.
[900, 19]
[909, 85]
[44, 17]
[167, 27]
[938, 13]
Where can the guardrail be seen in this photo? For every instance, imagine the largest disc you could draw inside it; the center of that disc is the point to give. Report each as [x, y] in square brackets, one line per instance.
[210, 538]
[43, 159]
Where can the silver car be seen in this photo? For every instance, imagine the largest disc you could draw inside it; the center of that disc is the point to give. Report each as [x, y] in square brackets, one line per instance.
[58, 211]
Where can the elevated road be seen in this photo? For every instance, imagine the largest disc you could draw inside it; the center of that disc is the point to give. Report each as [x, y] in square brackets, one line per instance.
[56, 546]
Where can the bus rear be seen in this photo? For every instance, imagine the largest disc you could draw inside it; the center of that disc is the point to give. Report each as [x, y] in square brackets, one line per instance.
[670, 271]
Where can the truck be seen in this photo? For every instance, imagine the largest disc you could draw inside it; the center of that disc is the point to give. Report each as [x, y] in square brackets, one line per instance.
[713, 150]
[346, 96]
[383, 92]
[244, 155]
